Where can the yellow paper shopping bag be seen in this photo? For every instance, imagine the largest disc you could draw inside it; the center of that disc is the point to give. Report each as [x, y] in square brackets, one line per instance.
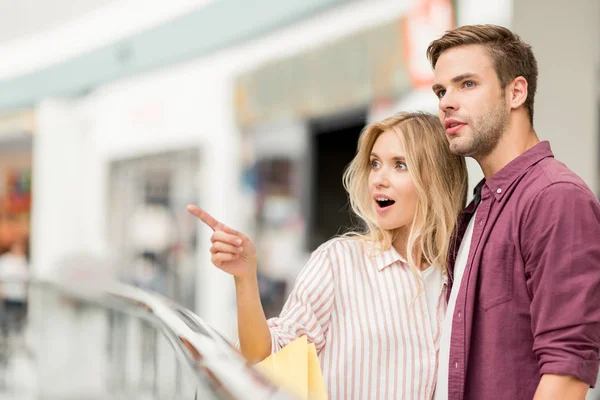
[296, 368]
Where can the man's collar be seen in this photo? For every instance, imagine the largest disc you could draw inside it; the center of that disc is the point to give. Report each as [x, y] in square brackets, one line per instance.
[472, 206]
[499, 183]
[502, 180]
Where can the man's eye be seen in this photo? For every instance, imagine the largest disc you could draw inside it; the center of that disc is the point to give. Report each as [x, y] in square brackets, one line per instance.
[441, 94]
[469, 84]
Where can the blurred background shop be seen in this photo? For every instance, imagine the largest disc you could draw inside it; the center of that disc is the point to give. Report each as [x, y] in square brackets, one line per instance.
[116, 115]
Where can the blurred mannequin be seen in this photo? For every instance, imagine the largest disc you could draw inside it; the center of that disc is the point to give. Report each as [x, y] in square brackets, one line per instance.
[14, 273]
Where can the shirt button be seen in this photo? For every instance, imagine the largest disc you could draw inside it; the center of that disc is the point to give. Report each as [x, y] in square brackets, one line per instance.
[456, 365]
[480, 223]
[459, 314]
[499, 191]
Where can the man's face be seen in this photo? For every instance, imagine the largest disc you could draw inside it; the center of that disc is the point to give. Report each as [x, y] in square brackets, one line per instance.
[472, 104]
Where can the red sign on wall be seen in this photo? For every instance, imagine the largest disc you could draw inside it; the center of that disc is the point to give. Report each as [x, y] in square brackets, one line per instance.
[425, 22]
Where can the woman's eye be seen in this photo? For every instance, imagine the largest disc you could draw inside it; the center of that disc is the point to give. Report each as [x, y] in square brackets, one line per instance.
[401, 165]
[374, 163]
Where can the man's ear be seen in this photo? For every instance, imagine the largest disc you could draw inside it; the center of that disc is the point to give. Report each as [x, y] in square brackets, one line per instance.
[517, 92]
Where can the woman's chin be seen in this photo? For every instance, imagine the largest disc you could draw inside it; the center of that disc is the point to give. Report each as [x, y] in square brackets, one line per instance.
[386, 225]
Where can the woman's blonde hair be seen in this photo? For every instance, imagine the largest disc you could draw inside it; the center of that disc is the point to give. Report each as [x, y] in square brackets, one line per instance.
[440, 179]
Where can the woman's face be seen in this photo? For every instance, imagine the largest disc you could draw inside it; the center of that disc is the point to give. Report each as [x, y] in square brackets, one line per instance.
[392, 189]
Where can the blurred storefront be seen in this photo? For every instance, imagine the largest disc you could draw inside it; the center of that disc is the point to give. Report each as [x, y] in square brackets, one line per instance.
[156, 245]
[16, 139]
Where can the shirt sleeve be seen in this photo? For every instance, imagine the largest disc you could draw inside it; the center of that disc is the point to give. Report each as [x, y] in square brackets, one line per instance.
[562, 266]
[307, 310]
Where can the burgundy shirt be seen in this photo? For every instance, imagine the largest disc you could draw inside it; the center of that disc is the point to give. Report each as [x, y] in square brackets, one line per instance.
[529, 301]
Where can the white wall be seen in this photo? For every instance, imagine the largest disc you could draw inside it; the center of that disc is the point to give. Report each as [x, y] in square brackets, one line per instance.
[566, 41]
[59, 205]
[185, 105]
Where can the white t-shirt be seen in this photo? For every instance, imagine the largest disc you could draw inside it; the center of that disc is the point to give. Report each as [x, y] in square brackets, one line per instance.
[441, 390]
[433, 277]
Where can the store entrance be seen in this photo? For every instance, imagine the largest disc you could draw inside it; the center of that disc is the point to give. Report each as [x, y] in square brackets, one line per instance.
[332, 147]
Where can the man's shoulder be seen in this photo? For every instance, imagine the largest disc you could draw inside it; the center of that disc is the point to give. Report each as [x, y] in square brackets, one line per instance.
[548, 187]
[551, 187]
[557, 172]
[553, 178]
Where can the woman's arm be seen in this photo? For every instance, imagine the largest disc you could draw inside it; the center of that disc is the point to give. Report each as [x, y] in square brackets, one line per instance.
[253, 330]
[306, 311]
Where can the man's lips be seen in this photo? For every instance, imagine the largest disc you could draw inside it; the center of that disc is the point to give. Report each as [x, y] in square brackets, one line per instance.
[453, 126]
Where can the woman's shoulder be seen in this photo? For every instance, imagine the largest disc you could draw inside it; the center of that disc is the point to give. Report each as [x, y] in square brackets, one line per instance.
[341, 243]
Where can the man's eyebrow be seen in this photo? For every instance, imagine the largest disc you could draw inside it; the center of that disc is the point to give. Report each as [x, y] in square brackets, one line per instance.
[462, 77]
[456, 79]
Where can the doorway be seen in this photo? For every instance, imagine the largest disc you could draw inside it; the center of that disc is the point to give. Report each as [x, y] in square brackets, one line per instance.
[333, 145]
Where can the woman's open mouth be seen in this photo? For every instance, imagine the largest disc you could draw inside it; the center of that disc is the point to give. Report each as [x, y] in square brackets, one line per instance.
[383, 203]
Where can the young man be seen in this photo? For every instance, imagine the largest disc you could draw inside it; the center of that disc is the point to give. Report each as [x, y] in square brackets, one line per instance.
[523, 317]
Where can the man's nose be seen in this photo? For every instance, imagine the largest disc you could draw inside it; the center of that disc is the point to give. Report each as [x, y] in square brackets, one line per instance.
[448, 102]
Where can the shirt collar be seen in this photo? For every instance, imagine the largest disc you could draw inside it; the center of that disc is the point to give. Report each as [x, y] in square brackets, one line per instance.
[386, 258]
[502, 180]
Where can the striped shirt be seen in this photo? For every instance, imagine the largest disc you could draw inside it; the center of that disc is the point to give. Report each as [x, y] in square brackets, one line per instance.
[366, 313]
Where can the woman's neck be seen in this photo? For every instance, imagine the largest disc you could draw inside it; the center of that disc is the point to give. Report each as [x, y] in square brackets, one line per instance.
[400, 244]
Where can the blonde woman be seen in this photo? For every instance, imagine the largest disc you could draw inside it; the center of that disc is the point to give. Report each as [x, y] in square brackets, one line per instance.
[372, 302]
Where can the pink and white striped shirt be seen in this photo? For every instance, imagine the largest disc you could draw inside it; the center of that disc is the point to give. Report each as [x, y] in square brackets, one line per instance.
[367, 315]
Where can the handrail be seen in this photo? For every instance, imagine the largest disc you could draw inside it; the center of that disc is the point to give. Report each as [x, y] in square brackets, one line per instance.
[211, 358]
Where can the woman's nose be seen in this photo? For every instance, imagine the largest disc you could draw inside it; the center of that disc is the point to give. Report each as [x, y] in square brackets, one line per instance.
[381, 179]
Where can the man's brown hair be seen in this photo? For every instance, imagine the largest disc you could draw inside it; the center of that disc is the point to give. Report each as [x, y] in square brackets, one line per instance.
[511, 56]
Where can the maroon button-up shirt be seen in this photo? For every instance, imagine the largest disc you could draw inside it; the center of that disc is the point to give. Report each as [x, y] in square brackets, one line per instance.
[529, 301]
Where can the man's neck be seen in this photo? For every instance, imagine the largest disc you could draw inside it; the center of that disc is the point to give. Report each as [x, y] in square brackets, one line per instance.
[512, 144]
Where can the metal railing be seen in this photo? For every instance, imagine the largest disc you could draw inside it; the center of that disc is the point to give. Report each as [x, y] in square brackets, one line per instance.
[110, 341]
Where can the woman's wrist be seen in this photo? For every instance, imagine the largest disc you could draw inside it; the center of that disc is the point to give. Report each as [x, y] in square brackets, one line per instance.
[246, 282]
